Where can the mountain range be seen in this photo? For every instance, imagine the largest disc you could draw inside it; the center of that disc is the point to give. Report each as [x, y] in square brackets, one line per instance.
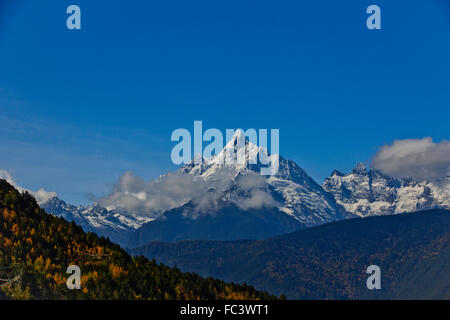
[329, 261]
[236, 202]
[36, 249]
[116, 225]
[370, 192]
[283, 233]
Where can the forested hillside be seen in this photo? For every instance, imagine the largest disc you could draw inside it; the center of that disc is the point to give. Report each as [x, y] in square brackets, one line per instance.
[36, 248]
[330, 261]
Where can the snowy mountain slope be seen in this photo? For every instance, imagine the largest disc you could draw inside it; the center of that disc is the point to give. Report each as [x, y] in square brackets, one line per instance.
[113, 224]
[370, 192]
[240, 203]
[296, 194]
[225, 198]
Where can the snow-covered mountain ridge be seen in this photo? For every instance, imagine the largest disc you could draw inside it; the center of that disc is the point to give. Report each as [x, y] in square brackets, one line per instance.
[113, 224]
[291, 192]
[370, 192]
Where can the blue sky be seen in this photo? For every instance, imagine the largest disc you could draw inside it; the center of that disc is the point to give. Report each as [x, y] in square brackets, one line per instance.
[78, 108]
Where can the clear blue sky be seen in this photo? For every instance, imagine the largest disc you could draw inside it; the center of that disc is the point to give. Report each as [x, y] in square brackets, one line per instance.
[78, 108]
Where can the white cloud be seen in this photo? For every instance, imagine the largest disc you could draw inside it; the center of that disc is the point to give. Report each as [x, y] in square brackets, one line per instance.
[256, 200]
[41, 195]
[173, 190]
[421, 159]
[256, 196]
[6, 176]
[140, 197]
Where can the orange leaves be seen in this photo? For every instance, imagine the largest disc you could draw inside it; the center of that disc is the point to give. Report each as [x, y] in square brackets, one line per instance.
[58, 279]
[116, 271]
[84, 280]
[8, 243]
[9, 215]
[15, 229]
[48, 263]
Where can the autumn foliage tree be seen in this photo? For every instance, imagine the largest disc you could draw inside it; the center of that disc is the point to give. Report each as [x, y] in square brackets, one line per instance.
[36, 248]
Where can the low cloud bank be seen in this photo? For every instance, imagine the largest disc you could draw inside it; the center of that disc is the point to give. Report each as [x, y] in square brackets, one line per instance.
[421, 159]
[175, 189]
[41, 196]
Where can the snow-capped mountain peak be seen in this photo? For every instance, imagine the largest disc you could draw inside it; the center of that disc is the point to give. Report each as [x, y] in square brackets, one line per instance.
[239, 150]
[371, 192]
[295, 193]
[238, 155]
[360, 169]
[96, 219]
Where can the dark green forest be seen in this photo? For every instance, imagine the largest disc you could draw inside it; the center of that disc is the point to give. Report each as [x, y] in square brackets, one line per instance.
[330, 261]
[36, 248]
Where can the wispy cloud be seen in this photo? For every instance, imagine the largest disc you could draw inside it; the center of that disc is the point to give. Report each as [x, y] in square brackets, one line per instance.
[421, 159]
[170, 191]
[40, 195]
